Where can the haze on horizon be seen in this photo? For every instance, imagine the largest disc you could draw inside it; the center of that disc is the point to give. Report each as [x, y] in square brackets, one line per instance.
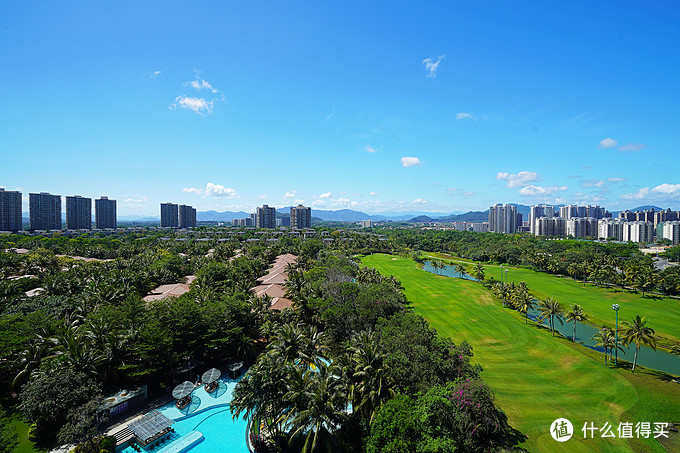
[449, 106]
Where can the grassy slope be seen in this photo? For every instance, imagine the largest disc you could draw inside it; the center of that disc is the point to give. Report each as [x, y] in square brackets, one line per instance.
[21, 429]
[536, 378]
[663, 315]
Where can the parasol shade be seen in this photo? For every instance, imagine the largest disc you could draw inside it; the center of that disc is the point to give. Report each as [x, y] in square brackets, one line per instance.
[182, 390]
[211, 375]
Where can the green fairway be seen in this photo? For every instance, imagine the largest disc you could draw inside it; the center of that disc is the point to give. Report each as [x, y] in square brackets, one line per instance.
[536, 378]
[663, 314]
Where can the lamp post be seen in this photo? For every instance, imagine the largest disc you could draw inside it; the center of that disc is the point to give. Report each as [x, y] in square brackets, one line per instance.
[615, 307]
[506, 276]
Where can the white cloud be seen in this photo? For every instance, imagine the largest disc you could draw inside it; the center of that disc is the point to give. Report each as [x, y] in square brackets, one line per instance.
[534, 191]
[291, 194]
[616, 179]
[469, 194]
[410, 161]
[196, 105]
[374, 194]
[592, 183]
[326, 195]
[219, 191]
[154, 74]
[608, 143]
[522, 178]
[191, 190]
[661, 192]
[432, 65]
[633, 147]
[372, 149]
[668, 189]
[138, 200]
[630, 147]
[263, 196]
[419, 201]
[641, 193]
[453, 191]
[465, 116]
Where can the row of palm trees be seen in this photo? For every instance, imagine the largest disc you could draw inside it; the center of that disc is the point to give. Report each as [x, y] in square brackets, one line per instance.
[300, 388]
[461, 269]
[636, 332]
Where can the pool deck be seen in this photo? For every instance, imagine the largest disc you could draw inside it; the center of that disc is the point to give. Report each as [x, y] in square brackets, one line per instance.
[166, 405]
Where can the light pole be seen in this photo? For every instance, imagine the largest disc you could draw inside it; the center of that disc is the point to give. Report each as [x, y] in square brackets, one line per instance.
[506, 276]
[615, 307]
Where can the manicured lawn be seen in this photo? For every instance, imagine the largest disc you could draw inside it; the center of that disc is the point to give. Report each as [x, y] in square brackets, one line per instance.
[663, 314]
[536, 378]
[21, 429]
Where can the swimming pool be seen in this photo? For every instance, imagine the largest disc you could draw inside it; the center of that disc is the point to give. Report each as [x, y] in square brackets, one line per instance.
[206, 425]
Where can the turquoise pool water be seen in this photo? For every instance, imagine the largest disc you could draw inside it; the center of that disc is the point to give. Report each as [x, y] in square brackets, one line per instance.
[209, 415]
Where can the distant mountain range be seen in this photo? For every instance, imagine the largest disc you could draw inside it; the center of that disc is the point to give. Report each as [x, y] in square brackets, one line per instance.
[349, 215]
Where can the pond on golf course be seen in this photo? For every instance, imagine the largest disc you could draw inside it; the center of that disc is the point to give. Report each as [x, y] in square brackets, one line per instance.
[648, 357]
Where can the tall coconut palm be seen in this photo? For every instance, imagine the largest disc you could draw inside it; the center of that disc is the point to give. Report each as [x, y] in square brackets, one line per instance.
[637, 332]
[576, 314]
[479, 272]
[552, 310]
[523, 301]
[604, 338]
[461, 269]
[372, 385]
[319, 405]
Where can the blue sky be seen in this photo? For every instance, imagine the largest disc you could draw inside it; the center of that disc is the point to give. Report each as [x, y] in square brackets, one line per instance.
[373, 106]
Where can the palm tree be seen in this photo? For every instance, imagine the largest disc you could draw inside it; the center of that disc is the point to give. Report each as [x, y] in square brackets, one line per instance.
[552, 310]
[460, 268]
[372, 386]
[573, 270]
[637, 332]
[319, 407]
[607, 339]
[576, 314]
[524, 302]
[479, 272]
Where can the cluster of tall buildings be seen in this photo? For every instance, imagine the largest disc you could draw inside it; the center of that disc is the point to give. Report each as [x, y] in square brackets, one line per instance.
[178, 216]
[45, 212]
[504, 218]
[265, 217]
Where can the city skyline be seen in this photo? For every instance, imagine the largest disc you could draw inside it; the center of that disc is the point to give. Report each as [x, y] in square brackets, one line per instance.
[416, 108]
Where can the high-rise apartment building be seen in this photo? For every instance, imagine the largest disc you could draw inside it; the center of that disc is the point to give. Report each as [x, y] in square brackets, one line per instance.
[187, 216]
[169, 215]
[265, 217]
[537, 211]
[550, 226]
[105, 213]
[10, 210]
[44, 211]
[78, 213]
[671, 231]
[300, 217]
[638, 231]
[610, 228]
[582, 227]
[503, 218]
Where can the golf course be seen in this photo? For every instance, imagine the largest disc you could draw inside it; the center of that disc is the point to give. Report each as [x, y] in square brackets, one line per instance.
[538, 378]
[663, 314]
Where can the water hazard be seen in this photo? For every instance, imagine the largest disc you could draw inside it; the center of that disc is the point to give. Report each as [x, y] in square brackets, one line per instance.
[648, 357]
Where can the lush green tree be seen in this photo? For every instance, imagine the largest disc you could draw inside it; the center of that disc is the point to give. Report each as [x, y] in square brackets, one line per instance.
[396, 428]
[638, 333]
[552, 310]
[47, 398]
[479, 272]
[575, 314]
